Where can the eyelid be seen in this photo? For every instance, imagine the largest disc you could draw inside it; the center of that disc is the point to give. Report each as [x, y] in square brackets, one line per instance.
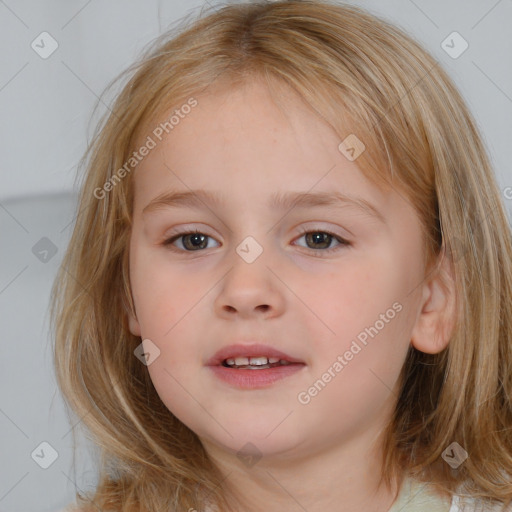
[342, 242]
[188, 229]
[192, 228]
[316, 228]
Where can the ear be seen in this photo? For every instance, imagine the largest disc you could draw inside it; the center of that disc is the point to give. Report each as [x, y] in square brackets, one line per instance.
[434, 326]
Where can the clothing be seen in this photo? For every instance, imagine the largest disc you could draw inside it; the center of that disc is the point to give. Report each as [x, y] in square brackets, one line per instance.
[414, 496]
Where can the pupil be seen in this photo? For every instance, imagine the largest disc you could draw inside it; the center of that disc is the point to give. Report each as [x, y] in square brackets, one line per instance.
[199, 240]
[196, 237]
[320, 235]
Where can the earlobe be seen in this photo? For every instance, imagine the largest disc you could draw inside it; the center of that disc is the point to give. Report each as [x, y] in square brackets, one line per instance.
[435, 324]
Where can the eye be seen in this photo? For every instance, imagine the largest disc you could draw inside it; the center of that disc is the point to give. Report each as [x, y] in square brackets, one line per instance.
[193, 239]
[196, 240]
[323, 239]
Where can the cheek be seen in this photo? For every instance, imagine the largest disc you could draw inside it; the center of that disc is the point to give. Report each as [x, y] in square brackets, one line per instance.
[160, 293]
[167, 304]
[355, 370]
[347, 301]
[174, 382]
[365, 316]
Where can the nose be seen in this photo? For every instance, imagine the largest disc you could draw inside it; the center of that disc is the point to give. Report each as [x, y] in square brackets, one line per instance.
[250, 290]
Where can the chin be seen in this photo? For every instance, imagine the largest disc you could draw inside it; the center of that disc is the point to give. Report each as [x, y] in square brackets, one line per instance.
[259, 440]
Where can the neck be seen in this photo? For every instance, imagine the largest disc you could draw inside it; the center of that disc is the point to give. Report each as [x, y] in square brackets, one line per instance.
[348, 474]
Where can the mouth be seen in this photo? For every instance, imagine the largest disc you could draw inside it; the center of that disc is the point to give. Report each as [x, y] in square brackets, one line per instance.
[255, 363]
[253, 366]
[252, 357]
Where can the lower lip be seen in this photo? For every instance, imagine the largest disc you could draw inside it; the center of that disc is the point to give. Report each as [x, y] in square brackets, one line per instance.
[253, 379]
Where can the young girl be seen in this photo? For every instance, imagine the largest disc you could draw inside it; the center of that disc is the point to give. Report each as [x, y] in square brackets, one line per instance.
[289, 285]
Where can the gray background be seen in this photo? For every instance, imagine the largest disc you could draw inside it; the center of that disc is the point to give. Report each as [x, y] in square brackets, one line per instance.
[46, 107]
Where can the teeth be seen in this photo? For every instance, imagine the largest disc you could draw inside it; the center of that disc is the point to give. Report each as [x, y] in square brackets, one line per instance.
[255, 361]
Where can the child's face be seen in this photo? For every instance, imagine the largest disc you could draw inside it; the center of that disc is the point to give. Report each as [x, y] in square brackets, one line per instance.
[297, 296]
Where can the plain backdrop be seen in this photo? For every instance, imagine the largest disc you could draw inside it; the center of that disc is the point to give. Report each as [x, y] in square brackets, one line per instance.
[46, 104]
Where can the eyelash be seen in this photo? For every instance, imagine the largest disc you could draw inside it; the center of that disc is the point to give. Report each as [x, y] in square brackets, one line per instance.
[342, 242]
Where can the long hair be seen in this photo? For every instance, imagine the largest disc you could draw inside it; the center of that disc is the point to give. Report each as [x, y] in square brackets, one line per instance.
[362, 76]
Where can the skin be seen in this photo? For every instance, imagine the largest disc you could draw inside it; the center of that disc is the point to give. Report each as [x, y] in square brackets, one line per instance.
[241, 144]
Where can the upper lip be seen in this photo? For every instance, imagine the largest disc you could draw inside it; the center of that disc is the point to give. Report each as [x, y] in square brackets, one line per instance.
[253, 350]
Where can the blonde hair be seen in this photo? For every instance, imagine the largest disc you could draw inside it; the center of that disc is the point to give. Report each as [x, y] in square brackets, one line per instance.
[362, 76]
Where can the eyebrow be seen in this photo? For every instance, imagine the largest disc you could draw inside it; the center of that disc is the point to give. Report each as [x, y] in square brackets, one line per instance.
[203, 199]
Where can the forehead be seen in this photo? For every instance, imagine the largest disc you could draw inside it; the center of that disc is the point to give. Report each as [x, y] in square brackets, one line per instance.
[248, 142]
